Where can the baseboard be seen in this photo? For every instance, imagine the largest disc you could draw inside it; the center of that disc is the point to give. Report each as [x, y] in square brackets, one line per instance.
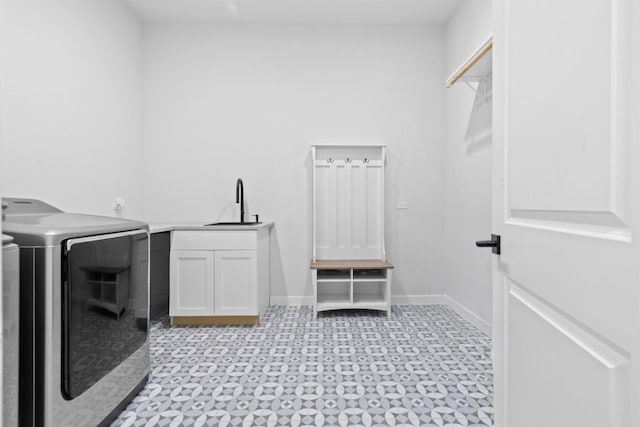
[468, 315]
[395, 299]
[214, 320]
[418, 299]
[460, 310]
[292, 300]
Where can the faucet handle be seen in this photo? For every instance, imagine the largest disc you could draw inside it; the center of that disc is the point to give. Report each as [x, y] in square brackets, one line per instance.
[256, 215]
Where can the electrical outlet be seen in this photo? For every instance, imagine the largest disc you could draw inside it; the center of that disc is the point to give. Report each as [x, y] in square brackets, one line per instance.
[403, 205]
[117, 204]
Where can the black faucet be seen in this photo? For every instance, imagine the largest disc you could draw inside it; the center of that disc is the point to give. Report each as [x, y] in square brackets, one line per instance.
[240, 198]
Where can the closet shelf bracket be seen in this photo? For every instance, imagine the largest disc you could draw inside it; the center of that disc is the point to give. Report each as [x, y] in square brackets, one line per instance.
[482, 93]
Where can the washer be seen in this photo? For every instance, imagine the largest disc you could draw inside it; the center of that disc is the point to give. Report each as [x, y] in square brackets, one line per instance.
[84, 286]
[10, 331]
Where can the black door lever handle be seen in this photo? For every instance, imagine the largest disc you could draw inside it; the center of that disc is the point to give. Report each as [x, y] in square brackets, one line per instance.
[494, 244]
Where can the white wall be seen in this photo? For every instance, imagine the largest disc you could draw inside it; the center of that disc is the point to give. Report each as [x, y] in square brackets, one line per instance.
[70, 132]
[467, 275]
[223, 102]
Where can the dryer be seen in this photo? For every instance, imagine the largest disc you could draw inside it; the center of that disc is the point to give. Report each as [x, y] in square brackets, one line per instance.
[84, 344]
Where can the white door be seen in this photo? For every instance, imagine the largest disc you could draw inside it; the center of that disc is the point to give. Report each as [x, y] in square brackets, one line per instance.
[191, 283]
[236, 289]
[566, 203]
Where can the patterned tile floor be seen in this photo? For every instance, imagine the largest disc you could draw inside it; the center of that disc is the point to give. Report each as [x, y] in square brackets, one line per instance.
[423, 366]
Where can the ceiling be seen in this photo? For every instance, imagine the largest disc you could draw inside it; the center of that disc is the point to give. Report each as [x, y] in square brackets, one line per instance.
[296, 11]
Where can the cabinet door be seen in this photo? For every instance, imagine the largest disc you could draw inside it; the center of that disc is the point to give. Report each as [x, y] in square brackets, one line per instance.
[236, 283]
[191, 283]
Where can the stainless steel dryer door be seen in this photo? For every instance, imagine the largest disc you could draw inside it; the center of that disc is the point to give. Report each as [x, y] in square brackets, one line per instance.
[104, 305]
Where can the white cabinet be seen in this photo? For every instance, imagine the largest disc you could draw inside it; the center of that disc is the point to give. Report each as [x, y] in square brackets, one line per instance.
[215, 273]
[191, 283]
[235, 282]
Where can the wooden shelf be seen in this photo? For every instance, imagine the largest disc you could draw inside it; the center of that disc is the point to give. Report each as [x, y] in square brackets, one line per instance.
[359, 264]
[476, 67]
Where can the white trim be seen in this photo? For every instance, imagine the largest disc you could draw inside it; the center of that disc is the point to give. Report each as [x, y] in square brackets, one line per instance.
[313, 202]
[619, 234]
[291, 300]
[601, 350]
[460, 309]
[468, 315]
[334, 144]
[418, 299]
[395, 299]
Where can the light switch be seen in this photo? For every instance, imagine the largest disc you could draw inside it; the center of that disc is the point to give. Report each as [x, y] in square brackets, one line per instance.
[403, 205]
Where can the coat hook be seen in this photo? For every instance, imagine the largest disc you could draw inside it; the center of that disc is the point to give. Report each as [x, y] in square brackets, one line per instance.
[348, 160]
[329, 160]
[365, 160]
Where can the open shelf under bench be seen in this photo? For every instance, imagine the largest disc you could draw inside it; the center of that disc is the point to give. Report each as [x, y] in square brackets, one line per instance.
[351, 283]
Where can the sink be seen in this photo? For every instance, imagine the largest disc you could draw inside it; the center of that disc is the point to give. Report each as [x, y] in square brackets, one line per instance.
[235, 223]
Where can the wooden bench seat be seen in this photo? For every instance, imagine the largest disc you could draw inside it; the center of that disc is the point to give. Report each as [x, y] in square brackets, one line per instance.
[337, 264]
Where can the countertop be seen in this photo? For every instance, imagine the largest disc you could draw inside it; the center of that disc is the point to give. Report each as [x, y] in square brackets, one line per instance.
[160, 227]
